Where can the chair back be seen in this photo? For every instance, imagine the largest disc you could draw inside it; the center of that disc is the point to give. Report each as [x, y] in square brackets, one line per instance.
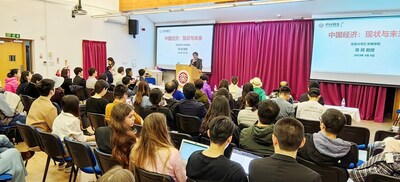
[151, 80]
[188, 124]
[358, 135]
[147, 176]
[328, 173]
[57, 107]
[381, 134]
[228, 150]
[51, 145]
[79, 91]
[178, 137]
[349, 120]
[310, 126]
[27, 102]
[90, 91]
[29, 135]
[234, 116]
[139, 110]
[375, 177]
[81, 153]
[190, 180]
[109, 96]
[105, 161]
[96, 120]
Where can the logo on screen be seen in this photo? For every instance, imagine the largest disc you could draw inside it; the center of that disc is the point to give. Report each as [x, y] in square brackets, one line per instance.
[321, 25]
[183, 77]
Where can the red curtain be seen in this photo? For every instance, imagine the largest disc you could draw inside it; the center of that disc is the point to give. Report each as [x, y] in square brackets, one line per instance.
[281, 50]
[94, 56]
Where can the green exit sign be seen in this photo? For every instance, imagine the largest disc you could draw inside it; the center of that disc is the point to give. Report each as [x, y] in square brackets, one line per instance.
[13, 35]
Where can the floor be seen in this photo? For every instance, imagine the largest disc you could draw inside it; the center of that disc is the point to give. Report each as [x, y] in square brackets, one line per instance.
[37, 164]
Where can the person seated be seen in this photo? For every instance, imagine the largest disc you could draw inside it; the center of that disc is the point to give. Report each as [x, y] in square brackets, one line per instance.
[206, 87]
[211, 164]
[241, 102]
[117, 174]
[325, 148]
[11, 161]
[286, 108]
[78, 79]
[248, 116]
[311, 109]
[96, 103]
[109, 74]
[8, 115]
[141, 99]
[178, 95]
[287, 138]
[154, 150]
[31, 89]
[67, 82]
[257, 84]
[42, 112]
[129, 73]
[275, 93]
[222, 84]
[304, 96]
[58, 92]
[127, 81]
[170, 102]
[200, 95]
[24, 81]
[189, 106]
[225, 92]
[141, 73]
[68, 123]
[91, 81]
[219, 107]
[118, 77]
[234, 89]
[11, 82]
[386, 163]
[155, 99]
[258, 137]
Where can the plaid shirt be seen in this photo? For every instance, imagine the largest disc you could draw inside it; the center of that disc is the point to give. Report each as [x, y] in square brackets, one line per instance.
[377, 164]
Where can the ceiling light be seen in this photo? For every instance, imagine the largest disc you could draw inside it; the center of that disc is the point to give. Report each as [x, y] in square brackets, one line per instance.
[276, 2]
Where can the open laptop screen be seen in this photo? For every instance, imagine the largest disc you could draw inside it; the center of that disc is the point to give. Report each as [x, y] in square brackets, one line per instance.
[243, 158]
[188, 147]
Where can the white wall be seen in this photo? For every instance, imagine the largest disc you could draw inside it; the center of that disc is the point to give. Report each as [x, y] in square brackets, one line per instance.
[58, 36]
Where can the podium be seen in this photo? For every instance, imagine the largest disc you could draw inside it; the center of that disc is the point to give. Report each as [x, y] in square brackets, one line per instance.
[186, 73]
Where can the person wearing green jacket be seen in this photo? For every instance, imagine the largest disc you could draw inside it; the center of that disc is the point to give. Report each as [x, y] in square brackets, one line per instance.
[257, 84]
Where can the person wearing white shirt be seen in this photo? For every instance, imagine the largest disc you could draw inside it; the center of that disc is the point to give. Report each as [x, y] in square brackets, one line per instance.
[68, 124]
[234, 89]
[91, 81]
[118, 77]
[248, 116]
[312, 109]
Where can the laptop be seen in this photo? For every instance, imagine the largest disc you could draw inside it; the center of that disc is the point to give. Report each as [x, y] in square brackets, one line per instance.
[188, 147]
[243, 158]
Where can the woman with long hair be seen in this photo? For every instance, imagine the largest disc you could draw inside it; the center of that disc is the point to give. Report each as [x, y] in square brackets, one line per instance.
[248, 116]
[24, 81]
[31, 89]
[241, 102]
[141, 98]
[122, 135]
[154, 150]
[67, 81]
[11, 82]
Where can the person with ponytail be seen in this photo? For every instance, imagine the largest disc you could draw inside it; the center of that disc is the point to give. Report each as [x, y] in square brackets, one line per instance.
[11, 83]
[141, 99]
[154, 150]
[24, 81]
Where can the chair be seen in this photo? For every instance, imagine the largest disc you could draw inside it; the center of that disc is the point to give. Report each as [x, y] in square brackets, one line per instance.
[90, 91]
[190, 180]
[29, 135]
[79, 91]
[83, 157]
[105, 161]
[5, 177]
[348, 119]
[188, 124]
[58, 107]
[380, 135]
[375, 177]
[109, 96]
[328, 173]
[358, 135]
[53, 147]
[151, 80]
[310, 126]
[178, 137]
[235, 113]
[147, 176]
[27, 102]
[96, 120]
[228, 150]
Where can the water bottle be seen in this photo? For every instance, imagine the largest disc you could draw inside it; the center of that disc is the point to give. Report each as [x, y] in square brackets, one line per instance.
[343, 103]
[215, 88]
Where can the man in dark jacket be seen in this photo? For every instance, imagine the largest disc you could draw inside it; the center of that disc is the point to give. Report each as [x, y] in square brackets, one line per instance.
[325, 148]
[304, 97]
[189, 106]
[170, 102]
[258, 138]
[79, 80]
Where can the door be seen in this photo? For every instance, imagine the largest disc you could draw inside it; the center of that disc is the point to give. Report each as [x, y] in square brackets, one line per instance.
[12, 55]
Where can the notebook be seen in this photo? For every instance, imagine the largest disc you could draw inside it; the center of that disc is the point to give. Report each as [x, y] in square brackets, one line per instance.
[188, 147]
[243, 158]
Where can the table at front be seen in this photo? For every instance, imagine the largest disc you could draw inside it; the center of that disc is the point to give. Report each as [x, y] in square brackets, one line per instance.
[353, 112]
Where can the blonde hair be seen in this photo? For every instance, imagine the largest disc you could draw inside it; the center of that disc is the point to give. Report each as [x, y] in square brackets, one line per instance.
[117, 174]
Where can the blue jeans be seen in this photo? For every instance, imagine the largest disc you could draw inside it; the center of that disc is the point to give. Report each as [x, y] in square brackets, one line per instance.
[5, 143]
[21, 118]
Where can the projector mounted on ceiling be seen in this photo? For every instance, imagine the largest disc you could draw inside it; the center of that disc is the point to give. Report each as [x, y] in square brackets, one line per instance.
[77, 10]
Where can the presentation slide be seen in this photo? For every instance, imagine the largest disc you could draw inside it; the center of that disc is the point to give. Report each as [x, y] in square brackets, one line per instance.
[176, 44]
[362, 50]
